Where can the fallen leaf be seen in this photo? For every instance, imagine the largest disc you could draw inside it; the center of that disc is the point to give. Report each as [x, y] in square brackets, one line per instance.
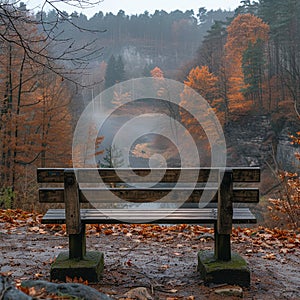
[290, 246]
[270, 256]
[164, 267]
[34, 229]
[284, 250]
[128, 263]
[38, 275]
[76, 280]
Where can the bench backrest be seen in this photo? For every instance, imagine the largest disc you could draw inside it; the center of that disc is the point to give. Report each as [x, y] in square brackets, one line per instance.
[140, 185]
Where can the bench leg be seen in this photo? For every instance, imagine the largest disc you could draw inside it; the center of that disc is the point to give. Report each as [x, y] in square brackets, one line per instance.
[77, 244]
[222, 245]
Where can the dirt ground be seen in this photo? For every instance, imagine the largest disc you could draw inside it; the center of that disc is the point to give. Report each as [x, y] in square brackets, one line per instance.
[164, 262]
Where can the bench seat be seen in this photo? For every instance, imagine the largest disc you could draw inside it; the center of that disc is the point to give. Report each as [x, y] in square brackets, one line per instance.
[160, 216]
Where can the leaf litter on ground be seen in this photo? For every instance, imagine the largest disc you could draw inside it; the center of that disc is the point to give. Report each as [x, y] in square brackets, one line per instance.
[270, 244]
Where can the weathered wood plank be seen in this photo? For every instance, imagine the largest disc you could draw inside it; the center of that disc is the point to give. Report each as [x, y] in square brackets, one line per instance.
[225, 214]
[144, 175]
[211, 211]
[72, 205]
[225, 208]
[53, 175]
[56, 195]
[164, 216]
[169, 175]
[222, 246]
[246, 174]
[77, 244]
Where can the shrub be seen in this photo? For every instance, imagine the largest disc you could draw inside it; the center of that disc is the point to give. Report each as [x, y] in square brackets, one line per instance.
[286, 207]
[7, 196]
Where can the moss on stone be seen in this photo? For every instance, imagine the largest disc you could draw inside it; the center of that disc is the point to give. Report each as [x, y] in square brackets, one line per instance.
[213, 264]
[234, 271]
[89, 268]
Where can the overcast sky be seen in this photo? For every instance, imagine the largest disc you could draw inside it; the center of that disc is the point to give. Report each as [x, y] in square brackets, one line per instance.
[139, 6]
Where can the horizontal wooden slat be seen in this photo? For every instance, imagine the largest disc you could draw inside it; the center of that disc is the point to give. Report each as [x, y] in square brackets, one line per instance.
[160, 216]
[50, 175]
[134, 195]
[246, 174]
[169, 175]
[246, 195]
[147, 175]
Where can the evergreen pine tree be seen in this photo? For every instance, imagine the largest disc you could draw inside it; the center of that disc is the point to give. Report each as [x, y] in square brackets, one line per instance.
[120, 71]
[253, 64]
[115, 71]
[110, 72]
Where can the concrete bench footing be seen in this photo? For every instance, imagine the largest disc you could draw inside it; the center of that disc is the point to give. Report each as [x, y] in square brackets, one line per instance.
[90, 268]
[234, 271]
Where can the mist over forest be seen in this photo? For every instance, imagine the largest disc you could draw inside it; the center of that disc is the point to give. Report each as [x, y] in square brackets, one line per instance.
[167, 40]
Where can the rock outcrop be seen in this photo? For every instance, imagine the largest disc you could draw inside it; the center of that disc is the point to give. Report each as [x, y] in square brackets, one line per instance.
[255, 140]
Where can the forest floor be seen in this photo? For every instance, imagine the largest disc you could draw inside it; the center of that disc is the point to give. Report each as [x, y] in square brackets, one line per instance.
[160, 258]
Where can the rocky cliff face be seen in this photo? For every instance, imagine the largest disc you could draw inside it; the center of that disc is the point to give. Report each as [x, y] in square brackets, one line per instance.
[285, 154]
[254, 141]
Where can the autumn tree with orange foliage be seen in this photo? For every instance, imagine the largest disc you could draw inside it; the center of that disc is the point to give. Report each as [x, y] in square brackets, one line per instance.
[15, 13]
[235, 56]
[205, 83]
[243, 32]
[53, 113]
[201, 114]
[157, 73]
[35, 128]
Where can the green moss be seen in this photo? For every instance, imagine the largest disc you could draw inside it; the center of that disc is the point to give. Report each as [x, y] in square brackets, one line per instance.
[208, 258]
[90, 259]
[234, 271]
[89, 268]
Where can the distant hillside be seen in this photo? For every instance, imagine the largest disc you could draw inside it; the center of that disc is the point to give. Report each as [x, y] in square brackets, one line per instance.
[146, 40]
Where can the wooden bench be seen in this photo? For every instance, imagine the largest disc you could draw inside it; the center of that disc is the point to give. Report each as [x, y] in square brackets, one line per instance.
[75, 186]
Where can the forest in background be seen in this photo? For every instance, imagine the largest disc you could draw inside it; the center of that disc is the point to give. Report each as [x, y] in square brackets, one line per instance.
[249, 58]
[145, 40]
[245, 62]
